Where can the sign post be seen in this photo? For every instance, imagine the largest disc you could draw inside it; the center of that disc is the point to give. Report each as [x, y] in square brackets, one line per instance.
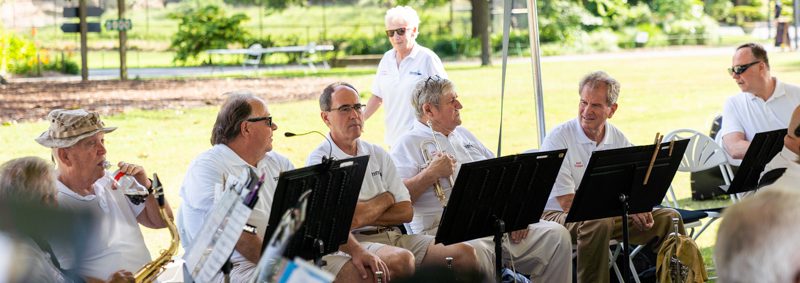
[84, 27]
[123, 38]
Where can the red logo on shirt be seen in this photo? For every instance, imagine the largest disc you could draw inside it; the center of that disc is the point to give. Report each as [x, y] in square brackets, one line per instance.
[578, 164]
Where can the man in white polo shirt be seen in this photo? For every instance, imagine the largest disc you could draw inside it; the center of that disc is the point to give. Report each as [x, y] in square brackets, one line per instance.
[765, 103]
[77, 141]
[399, 71]
[543, 250]
[384, 201]
[582, 136]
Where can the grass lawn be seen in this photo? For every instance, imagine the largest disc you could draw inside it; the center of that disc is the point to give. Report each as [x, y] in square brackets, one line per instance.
[658, 95]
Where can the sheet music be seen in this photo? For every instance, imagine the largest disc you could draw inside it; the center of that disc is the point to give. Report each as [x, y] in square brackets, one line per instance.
[216, 240]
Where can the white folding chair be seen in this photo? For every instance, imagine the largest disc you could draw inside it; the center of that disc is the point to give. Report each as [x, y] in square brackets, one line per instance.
[702, 153]
[253, 56]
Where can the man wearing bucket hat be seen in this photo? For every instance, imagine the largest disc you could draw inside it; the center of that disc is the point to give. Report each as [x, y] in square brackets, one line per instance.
[76, 138]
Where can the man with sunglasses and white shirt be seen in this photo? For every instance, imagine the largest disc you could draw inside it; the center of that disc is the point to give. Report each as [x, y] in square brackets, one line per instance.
[242, 142]
[765, 103]
[399, 71]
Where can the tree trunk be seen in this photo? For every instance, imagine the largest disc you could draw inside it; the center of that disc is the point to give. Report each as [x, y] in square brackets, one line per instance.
[480, 28]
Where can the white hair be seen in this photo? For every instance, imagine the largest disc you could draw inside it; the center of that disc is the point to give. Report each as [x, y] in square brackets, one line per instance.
[402, 14]
[757, 239]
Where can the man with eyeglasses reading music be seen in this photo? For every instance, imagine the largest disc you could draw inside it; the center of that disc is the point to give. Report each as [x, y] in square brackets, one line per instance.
[384, 201]
[242, 141]
[399, 71]
[765, 103]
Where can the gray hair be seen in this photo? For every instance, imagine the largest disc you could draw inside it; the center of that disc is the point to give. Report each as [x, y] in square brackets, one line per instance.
[592, 80]
[232, 114]
[29, 179]
[429, 91]
[757, 239]
[402, 13]
[326, 100]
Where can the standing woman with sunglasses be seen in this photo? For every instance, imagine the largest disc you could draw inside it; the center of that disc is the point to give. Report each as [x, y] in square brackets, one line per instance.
[399, 71]
[765, 103]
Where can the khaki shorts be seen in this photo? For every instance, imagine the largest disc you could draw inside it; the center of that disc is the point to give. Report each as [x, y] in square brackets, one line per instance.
[417, 244]
[335, 261]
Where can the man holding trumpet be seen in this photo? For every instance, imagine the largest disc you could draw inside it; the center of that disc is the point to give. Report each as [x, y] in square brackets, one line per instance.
[543, 250]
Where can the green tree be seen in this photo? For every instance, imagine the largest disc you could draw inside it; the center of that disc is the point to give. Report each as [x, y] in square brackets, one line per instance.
[206, 27]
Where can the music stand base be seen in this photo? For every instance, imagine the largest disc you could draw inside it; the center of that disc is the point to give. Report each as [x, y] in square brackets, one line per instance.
[500, 227]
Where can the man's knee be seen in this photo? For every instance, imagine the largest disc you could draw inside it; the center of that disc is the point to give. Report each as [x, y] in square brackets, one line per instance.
[401, 262]
[598, 227]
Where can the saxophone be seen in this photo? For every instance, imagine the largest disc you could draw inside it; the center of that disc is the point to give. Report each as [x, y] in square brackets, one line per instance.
[151, 270]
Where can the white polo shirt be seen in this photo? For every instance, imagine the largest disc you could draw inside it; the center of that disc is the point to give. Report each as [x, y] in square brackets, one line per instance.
[381, 175]
[407, 155]
[749, 114]
[579, 147]
[395, 85]
[115, 242]
[206, 171]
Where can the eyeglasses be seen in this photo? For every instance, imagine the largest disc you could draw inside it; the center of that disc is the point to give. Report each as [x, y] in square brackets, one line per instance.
[797, 131]
[400, 32]
[262, 118]
[347, 108]
[434, 78]
[741, 68]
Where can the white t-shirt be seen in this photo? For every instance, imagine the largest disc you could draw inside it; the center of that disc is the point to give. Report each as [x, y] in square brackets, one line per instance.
[395, 85]
[206, 172]
[407, 155]
[749, 114]
[579, 147]
[115, 242]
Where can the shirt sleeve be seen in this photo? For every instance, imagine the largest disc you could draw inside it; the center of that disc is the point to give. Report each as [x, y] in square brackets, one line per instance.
[436, 66]
[565, 183]
[376, 85]
[392, 180]
[405, 160]
[730, 119]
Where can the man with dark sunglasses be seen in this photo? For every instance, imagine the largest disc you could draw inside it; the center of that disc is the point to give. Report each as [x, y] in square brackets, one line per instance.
[785, 166]
[399, 71]
[764, 104]
[241, 142]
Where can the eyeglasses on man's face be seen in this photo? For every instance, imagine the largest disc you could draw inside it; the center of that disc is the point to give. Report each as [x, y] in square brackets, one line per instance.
[262, 118]
[738, 70]
[400, 32]
[346, 108]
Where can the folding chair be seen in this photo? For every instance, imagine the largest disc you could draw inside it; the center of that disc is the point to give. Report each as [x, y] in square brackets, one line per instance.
[701, 154]
[253, 56]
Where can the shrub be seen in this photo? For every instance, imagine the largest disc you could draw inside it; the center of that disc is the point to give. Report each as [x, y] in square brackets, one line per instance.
[205, 28]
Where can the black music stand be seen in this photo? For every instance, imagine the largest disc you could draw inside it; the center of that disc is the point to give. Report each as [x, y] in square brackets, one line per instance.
[614, 184]
[762, 149]
[494, 196]
[335, 186]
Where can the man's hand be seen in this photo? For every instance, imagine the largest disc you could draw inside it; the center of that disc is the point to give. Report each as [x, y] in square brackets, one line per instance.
[136, 171]
[362, 258]
[642, 221]
[121, 276]
[442, 165]
[519, 235]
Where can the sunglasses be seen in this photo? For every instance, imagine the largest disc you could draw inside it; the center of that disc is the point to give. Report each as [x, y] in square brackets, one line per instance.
[347, 108]
[741, 68]
[259, 119]
[400, 32]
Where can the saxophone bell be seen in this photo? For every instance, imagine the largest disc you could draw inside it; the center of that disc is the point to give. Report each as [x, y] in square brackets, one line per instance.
[150, 271]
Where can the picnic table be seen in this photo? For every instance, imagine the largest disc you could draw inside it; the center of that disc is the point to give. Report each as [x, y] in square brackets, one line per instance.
[255, 52]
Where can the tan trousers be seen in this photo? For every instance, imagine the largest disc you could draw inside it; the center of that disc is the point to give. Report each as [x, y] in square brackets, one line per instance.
[545, 254]
[591, 239]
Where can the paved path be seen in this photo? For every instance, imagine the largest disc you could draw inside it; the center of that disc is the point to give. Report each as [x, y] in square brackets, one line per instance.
[182, 72]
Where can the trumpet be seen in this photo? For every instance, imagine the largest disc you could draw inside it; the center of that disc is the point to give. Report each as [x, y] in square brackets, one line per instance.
[153, 269]
[428, 157]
